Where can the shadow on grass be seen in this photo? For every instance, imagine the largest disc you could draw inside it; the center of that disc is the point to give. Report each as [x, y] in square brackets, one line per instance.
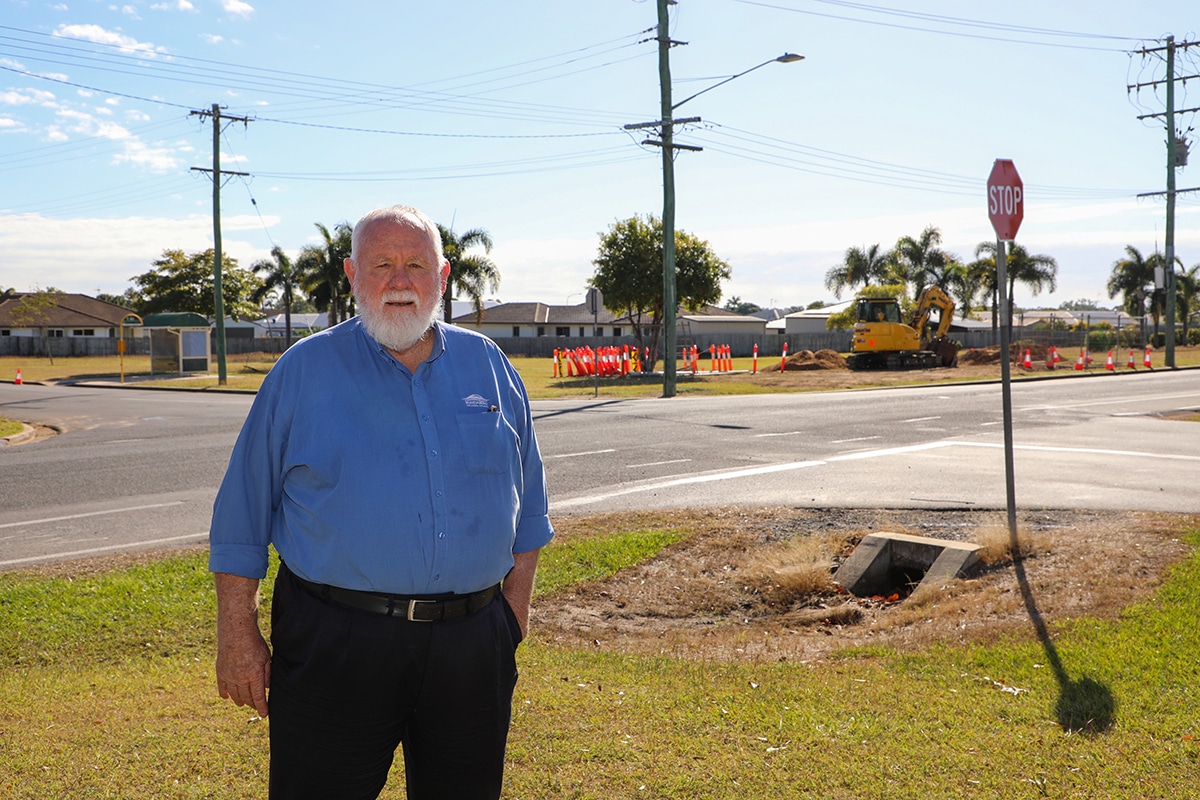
[1084, 705]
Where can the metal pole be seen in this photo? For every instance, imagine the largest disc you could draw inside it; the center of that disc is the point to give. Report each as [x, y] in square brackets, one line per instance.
[218, 302]
[1169, 255]
[1006, 391]
[668, 216]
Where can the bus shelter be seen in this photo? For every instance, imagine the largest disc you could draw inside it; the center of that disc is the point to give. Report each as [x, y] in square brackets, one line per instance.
[179, 342]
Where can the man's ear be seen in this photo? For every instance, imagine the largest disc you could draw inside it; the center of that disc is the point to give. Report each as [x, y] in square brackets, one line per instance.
[445, 274]
[348, 268]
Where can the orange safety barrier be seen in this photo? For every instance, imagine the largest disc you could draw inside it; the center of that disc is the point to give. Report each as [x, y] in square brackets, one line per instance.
[755, 370]
[712, 358]
[1050, 357]
[783, 360]
[1056, 358]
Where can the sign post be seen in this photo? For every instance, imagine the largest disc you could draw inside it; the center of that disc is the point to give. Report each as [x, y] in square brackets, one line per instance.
[1006, 209]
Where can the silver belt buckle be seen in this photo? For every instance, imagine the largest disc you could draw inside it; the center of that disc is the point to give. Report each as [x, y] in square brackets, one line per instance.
[412, 606]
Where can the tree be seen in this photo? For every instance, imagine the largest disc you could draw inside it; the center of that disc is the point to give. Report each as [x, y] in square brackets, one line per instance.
[629, 272]
[34, 310]
[1187, 296]
[1081, 304]
[184, 282]
[1132, 277]
[737, 306]
[472, 274]
[278, 274]
[917, 260]
[1037, 272]
[859, 266]
[322, 275]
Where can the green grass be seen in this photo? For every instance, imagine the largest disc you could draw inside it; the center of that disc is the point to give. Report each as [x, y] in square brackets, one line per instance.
[106, 691]
[8, 427]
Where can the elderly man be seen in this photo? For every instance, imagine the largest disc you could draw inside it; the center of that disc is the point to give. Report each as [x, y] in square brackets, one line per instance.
[392, 463]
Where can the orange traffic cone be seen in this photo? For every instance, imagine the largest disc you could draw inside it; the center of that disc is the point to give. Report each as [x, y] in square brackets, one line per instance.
[1028, 362]
[1056, 358]
[1079, 363]
[1146, 361]
[1110, 366]
[18, 381]
[1131, 365]
[1049, 358]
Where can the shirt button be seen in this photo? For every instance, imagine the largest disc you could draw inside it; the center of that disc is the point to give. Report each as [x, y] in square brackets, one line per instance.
[425, 417]
[433, 453]
[438, 493]
[441, 534]
[437, 577]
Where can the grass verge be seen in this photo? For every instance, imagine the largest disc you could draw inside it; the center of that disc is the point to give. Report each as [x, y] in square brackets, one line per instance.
[106, 692]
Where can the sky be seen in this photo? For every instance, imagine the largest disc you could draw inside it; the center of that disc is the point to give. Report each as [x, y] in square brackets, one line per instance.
[510, 117]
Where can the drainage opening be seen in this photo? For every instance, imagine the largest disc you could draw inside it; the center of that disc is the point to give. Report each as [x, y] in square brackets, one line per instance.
[895, 564]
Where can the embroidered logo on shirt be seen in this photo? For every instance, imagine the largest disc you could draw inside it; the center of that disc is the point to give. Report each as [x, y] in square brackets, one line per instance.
[475, 401]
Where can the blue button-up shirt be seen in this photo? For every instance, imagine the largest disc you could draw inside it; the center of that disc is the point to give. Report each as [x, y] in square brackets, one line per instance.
[365, 475]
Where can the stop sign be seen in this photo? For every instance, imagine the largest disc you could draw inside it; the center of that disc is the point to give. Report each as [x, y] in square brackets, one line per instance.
[1006, 199]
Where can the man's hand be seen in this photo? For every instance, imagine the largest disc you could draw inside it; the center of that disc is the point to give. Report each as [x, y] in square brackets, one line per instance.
[243, 658]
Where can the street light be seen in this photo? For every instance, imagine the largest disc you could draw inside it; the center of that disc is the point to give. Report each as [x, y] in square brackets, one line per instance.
[666, 134]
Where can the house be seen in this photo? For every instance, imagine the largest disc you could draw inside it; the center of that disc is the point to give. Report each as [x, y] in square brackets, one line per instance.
[73, 316]
[714, 321]
[812, 320]
[523, 320]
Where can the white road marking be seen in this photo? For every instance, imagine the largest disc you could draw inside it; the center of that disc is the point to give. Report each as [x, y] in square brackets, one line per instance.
[658, 463]
[94, 550]
[786, 433]
[90, 514]
[920, 419]
[587, 453]
[859, 439]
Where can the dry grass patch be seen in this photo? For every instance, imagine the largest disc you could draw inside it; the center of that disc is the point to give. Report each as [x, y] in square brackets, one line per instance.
[757, 584]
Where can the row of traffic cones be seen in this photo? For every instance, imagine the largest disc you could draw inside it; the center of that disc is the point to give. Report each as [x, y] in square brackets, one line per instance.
[1085, 360]
[606, 361]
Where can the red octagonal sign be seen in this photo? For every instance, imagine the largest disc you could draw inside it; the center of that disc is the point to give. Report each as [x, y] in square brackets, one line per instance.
[1006, 199]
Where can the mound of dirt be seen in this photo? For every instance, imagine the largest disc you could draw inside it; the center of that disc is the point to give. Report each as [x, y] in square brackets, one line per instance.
[991, 355]
[808, 360]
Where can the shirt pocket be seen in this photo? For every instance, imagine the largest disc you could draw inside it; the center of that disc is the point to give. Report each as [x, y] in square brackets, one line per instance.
[489, 443]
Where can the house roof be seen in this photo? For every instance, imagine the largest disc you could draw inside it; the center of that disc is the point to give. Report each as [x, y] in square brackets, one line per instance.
[72, 311]
[538, 314]
[175, 319]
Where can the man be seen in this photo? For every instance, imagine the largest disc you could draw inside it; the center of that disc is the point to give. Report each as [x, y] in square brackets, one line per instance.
[391, 462]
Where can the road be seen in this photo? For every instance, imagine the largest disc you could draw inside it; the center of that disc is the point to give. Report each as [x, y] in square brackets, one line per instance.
[139, 468]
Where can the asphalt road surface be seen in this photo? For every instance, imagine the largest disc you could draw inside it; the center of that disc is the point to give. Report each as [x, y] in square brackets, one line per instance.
[139, 468]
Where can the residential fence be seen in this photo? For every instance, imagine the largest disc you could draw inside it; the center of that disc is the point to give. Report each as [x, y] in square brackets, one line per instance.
[740, 344]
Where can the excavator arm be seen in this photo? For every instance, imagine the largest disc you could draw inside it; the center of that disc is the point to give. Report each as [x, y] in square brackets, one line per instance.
[932, 297]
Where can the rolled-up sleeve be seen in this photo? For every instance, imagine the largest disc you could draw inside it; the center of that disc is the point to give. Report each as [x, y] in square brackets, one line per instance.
[243, 512]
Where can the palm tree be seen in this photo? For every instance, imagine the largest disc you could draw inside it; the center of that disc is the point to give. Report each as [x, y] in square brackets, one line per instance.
[1037, 272]
[323, 277]
[919, 259]
[471, 274]
[1133, 278]
[280, 274]
[1187, 296]
[858, 266]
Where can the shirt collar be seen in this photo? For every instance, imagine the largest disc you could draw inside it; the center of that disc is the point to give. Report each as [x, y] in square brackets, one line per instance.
[439, 342]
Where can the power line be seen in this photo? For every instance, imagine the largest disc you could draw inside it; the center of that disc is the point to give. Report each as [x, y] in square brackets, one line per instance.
[949, 20]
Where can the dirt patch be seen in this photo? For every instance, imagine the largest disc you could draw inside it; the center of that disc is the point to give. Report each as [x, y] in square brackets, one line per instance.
[730, 591]
[808, 360]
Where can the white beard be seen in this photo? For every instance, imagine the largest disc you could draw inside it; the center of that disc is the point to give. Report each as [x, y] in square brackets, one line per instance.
[398, 332]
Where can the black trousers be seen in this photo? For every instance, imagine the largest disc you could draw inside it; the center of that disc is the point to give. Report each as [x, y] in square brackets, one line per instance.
[349, 686]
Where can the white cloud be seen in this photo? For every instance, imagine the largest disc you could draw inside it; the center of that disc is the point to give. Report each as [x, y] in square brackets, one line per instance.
[212, 38]
[60, 7]
[10, 125]
[130, 11]
[53, 134]
[112, 101]
[83, 255]
[8, 62]
[180, 5]
[22, 97]
[133, 115]
[237, 8]
[97, 34]
[156, 159]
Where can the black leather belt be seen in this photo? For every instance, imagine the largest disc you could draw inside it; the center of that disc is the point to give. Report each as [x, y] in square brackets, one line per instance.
[414, 609]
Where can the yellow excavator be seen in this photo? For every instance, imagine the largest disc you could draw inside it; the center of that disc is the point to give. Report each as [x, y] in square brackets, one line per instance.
[882, 341]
